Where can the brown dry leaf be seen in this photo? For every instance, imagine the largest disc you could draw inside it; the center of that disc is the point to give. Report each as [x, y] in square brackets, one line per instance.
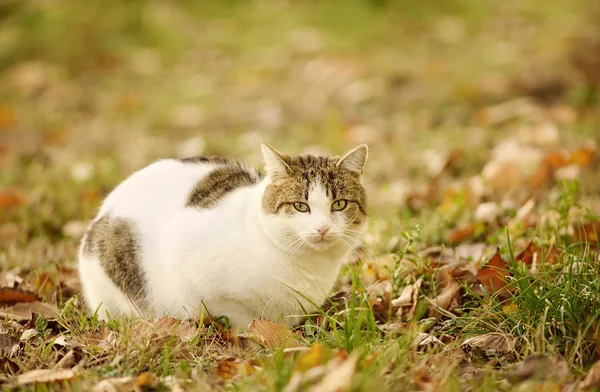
[45, 376]
[185, 330]
[444, 298]
[527, 256]
[338, 375]
[231, 367]
[425, 341]
[11, 278]
[588, 232]
[271, 335]
[592, 380]
[406, 304]
[489, 345]
[533, 256]
[539, 367]
[462, 233]
[24, 311]
[10, 296]
[125, 384]
[115, 384]
[493, 275]
[310, 359]
[8, 344]
[11, 197]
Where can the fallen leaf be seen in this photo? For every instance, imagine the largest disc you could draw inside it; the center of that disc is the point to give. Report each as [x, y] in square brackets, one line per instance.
[425, 341]
[271, 335]
[582, 157]
[28, 334]
[310, 359]
[527, 256]
[511, 308]
[115, 384]
[462, 233]
[338, 376]
[70, 359]
[444, 298]
[231, 367]
[8, 119]
[542, 176]
[406, 304]
[11, 197]
[45, 376]
[557, 159]
[24, 311]
[539, 367]
[185, 330]
[8, 344]
[489, 345]
[10, 296]
[493, 275]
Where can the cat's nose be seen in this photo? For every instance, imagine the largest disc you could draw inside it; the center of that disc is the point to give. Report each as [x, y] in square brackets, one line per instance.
[323, 230]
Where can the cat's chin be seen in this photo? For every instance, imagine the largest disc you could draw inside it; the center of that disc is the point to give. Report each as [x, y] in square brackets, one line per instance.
[320, 245]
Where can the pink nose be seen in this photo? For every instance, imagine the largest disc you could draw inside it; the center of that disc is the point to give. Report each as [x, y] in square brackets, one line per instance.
[323, 231]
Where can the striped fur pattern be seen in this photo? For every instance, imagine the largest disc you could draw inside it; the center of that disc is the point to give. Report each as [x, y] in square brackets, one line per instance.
[114, 241]
[306, 171]
[180, 235]
[220, 182]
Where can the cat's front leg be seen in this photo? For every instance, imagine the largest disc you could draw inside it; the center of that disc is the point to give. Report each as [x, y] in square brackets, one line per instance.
[239, 315]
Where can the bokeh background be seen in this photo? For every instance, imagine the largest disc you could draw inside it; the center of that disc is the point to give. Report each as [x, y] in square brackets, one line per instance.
[93, 90]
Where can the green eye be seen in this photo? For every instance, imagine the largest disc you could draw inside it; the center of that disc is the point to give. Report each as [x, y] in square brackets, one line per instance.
[339, 205]
[301, 207]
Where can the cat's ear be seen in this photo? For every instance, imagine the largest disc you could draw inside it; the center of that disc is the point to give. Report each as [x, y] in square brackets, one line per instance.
[274, 161]
[355, 159]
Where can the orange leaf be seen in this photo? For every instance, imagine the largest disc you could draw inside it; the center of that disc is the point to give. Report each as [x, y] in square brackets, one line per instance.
[557, 159]
[582, 157]
[493, 275]
[526, 257]
[11, 197]
[9, 296]
[460, 234]
[8, 119]
[231, 367]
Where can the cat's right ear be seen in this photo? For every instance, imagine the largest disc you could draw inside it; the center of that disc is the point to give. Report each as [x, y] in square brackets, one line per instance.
[274, 161]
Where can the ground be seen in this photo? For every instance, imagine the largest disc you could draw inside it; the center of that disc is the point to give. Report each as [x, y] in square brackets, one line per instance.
[480, 270]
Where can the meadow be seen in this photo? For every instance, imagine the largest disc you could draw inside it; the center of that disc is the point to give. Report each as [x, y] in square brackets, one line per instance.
[480, 270]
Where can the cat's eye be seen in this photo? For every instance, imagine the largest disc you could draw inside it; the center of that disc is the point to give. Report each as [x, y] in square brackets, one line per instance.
[339, 205]
[301, 207]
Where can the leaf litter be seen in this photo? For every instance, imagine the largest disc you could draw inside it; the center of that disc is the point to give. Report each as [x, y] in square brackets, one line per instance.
[434, 277]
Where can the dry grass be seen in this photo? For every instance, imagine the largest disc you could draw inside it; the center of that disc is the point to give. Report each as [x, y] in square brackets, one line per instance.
[474, 112]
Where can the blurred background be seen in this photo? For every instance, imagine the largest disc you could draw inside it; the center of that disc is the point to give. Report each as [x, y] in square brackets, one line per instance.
[93, 90]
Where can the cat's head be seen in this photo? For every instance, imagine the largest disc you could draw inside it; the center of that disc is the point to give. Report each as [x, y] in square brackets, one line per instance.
[314, 203]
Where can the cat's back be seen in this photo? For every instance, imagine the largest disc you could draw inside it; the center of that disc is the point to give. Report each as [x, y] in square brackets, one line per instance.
[157, 190]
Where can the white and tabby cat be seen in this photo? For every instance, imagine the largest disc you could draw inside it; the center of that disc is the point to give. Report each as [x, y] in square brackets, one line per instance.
[180, 234]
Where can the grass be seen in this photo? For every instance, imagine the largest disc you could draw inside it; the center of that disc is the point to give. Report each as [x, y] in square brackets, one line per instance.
[90, 92]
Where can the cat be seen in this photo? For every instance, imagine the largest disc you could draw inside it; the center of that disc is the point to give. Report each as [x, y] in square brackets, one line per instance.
[180, 237]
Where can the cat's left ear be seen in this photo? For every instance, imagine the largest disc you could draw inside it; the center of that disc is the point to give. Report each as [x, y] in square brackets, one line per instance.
[355, 159]
[274, 161]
